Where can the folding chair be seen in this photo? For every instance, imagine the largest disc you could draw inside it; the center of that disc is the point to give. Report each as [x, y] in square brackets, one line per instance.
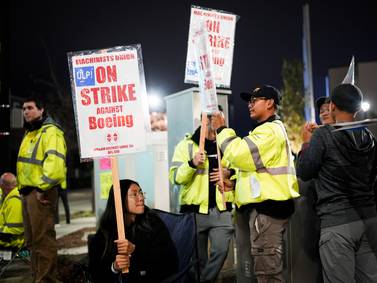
[182, 229]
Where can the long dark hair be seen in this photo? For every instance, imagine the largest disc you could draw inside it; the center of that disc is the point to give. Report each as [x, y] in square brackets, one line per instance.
[108, 225]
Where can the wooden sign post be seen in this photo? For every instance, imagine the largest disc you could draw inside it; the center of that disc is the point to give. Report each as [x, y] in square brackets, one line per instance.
[221, 176]
[118, 201]
[203, 132]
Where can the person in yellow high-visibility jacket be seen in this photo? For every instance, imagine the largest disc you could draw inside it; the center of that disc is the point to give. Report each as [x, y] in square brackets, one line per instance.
[11, 224]
[41, 169]
[197, 175]
[266, 182]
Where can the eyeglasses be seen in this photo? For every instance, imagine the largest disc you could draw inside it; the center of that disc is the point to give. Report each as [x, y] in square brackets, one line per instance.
[137, 194]
[255, 99]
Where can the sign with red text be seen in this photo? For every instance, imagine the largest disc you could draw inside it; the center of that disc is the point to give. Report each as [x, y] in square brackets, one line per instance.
[202, 50]
[221, 29]
[110, 102]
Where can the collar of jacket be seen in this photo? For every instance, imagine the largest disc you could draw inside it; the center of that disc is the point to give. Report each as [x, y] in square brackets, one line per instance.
[196, 136]
[42, 122]
[34, 125]
[270, 119]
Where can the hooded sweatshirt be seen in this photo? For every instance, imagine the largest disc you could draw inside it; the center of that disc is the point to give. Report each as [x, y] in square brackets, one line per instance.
[343, 162]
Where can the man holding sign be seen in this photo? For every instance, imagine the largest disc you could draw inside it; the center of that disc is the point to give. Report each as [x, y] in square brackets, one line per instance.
[197, 174]
[266, 183]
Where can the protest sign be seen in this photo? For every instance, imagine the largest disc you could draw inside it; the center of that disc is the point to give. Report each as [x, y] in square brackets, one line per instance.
[220, 26]
[109, 97]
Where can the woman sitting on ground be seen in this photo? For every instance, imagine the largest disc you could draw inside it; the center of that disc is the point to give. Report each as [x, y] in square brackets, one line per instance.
[148, 252]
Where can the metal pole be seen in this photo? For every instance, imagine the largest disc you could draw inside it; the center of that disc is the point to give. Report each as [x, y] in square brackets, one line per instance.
[307, 59]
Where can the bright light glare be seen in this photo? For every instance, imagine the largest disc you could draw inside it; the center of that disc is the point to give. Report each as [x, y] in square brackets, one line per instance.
[365, 106]
[154, 101]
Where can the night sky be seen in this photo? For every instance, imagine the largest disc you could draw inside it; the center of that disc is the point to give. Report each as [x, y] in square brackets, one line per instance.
[266, 33]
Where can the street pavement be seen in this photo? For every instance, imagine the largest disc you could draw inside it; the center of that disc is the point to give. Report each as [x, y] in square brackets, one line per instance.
[80, 202]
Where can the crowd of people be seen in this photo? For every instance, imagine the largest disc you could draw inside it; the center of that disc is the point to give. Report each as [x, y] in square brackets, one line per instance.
[340, 165]
[258, 177]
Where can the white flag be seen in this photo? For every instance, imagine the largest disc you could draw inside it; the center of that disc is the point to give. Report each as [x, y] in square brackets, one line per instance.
[350, 76]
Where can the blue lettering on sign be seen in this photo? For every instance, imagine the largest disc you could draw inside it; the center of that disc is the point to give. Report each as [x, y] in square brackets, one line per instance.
[191, 68]
[84, 76]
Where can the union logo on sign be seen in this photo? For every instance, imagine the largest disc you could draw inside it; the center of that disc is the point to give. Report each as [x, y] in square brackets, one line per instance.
[191, 68]
[84, 76]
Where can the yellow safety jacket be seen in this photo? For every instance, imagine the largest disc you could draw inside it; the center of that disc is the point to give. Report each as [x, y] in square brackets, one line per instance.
[194, 188]
[265, 163]
[41, 159]
[11, 221]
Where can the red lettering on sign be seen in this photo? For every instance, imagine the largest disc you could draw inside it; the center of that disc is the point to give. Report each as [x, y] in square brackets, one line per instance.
[213, 26]
[105, 95]
[109, 74]
[131, 92]
[84, 94]
[218, 61]
[122, 93]
[208, 84]
[100, 75]
[121, 57]
[119, 93]
[204, 64]
[113, 121]
[219, 41]
[197, 12]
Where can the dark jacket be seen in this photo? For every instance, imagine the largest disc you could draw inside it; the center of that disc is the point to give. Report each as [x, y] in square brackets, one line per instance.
[154, 258]
[343, 164]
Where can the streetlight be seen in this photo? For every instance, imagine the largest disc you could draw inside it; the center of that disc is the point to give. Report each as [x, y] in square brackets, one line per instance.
[155, 102]
[365, 106]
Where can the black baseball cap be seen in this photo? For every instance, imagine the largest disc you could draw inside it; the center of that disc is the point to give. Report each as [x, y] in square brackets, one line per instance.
[347, 97]
[320, 101]
[263, 91]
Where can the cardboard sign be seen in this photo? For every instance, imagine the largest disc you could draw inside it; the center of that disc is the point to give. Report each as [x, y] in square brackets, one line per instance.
[109, 97]
[221, 29]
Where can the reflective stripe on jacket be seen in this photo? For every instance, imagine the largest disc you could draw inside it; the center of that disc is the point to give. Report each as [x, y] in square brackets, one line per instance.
[194, 188]
[265, 163]
[11, 221]
[41, 159]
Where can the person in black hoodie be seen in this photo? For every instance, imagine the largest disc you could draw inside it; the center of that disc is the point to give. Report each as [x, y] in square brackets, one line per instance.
[148, 252]
[343, 162]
